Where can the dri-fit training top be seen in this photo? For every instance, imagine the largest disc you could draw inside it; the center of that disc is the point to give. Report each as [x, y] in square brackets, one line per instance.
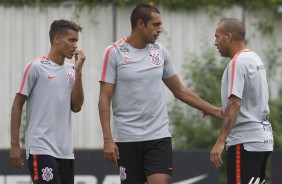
[48, 88]
[138, 104]
[245, 77]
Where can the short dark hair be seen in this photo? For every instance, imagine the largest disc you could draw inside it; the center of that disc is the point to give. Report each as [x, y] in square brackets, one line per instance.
[235, 27]
[60, 27]
[142, 11]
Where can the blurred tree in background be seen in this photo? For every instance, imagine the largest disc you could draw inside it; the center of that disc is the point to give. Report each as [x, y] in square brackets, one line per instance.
[190, 5]
[273, 62]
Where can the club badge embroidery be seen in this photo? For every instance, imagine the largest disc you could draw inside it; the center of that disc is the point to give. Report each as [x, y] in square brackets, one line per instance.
[124, 50]
[47, 174]
[155, 58]
[70, 72]
[122, 173]
[71, 79]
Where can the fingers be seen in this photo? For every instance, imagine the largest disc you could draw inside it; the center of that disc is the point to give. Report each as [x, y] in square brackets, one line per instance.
[116, 153]
[215, 159]
[20, 165]
[111, 157]
[75, 56]
[111, 152]
[79, 55]
[221, 113]
[79, 59]
[204, 114]
[16, 157]
[17, 162]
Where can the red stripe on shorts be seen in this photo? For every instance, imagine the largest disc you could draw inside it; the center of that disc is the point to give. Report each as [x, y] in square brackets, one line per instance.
[238, 164]
[35, 168]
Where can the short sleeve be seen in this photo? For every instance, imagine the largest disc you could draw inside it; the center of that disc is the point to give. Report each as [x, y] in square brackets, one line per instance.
[108, 65]
[29, 78]
[169, 69]
[237, 72]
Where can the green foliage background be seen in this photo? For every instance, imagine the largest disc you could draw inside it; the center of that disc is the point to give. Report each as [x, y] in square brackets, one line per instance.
[271, 5]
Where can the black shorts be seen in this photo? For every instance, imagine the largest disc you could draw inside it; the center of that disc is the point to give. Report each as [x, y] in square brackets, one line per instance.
[50, 170]
[138, 160]
[245, 167]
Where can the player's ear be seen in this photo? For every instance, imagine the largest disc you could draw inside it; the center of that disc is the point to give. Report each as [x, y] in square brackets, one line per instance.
[56, 39]
[229, 36]
[140, 23]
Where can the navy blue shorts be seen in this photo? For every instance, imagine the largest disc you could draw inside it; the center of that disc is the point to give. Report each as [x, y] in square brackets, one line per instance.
[245, 167]
[45, 169]
[138, 160]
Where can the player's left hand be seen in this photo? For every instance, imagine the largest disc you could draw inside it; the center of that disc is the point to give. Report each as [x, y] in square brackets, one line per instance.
[79, 59]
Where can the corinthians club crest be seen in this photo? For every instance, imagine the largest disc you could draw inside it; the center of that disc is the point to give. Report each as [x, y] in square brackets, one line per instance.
[155, 58]
[47, 174]
[122, 173]
[70, 73]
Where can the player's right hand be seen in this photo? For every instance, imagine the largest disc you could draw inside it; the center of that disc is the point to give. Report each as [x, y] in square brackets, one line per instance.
[79, 59]
[220, 113]
[16, 157]
[111, 152]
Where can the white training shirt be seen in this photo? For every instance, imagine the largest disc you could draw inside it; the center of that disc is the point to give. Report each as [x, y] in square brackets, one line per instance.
[245, 77]
[138, 104]
[48, 88]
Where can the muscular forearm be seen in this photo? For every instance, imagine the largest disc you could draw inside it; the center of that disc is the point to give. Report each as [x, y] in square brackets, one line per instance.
[77, 96]
[187, 96]
[16, 114]
[195, 101]
[16, 155]
[111, 152]
[105, 123]
[105, 114]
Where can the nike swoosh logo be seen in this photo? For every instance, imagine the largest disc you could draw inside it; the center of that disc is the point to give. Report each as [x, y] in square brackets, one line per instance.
[192, 180]
[51, 76]
[127, 61]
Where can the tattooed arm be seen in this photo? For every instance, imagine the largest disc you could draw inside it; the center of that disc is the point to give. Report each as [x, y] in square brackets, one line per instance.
[230, 116]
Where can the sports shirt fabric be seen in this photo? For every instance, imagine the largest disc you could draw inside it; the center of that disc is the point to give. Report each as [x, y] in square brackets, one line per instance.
[245, 77]
[138, 105]
[48, 88]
